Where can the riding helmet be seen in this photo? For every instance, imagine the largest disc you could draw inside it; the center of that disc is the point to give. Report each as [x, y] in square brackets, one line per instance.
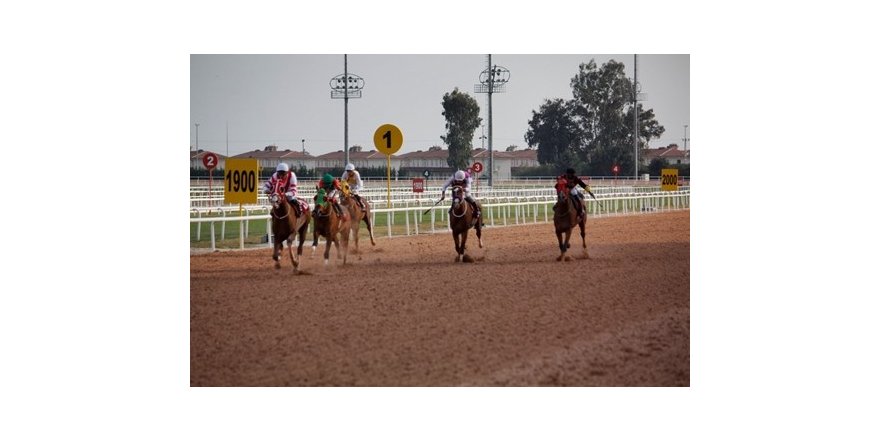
[282, 167]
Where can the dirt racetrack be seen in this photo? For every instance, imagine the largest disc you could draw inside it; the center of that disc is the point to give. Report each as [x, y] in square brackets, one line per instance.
[403, 313]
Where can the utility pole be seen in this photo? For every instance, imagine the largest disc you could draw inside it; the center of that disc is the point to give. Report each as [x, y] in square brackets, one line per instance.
[304, 146]
[197, 137]
[685, 138]
[636, 113]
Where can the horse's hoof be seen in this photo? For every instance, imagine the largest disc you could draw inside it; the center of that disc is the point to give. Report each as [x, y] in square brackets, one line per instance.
[559, 258]
[468, 259]
[326, 262]
[567, 258]
[277, 265]
[457, 258]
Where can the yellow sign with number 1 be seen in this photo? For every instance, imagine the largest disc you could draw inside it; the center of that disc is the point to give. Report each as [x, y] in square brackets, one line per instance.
[388, 140]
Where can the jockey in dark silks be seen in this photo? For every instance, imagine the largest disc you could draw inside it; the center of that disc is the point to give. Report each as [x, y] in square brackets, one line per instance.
[570, 182]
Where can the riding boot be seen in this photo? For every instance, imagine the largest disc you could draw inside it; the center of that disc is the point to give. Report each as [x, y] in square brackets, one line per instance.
[295, 205]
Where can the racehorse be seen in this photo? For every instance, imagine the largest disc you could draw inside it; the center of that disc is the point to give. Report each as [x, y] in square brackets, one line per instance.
[461, 218]
[285, 226]
[330, 226]
[357, 214]
[565, 217]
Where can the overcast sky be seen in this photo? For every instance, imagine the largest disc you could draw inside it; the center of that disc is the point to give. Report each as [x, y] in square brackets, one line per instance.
[282, 99]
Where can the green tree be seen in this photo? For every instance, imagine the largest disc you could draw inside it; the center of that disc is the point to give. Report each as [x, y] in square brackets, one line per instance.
[656, 166]
[603, 107]
[557, 135]
[462, 115]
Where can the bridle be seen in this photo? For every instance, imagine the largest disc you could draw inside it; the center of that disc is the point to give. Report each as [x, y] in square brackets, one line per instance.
[276, 204]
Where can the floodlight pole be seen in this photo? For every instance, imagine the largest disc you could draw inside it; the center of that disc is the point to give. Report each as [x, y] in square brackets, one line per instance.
[346, 86]
[494, 81]
[346, 110]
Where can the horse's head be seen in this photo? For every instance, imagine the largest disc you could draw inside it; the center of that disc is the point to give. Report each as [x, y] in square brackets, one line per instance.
[275, 200]
[457, 194]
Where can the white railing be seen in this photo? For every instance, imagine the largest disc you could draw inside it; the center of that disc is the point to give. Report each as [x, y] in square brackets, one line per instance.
[497, 211]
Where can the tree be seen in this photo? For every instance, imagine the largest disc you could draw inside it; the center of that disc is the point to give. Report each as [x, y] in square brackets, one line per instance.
[462, 115]
[557, 135]
[656, 166]
[603, 107]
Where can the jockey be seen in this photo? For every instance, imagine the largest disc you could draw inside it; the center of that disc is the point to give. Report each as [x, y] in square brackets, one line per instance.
[332, 188]
[283, 181]
[462, 179]
[571, 182]
[355, 184]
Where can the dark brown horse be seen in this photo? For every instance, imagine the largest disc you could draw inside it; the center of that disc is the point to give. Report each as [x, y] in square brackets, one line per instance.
[565, 217]
[286, 225]
[461, 218]
[357, 215]
[333, 228]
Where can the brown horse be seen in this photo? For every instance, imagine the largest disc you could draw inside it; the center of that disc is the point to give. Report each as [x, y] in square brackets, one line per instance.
[565, 217]
[357, 215]
[333, 228]
[461, 218]
[285, 226]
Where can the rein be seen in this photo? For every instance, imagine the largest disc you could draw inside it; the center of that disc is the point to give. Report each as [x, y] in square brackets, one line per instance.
[461, 200]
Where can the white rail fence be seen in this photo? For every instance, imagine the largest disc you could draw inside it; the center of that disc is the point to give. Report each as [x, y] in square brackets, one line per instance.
[529, 206]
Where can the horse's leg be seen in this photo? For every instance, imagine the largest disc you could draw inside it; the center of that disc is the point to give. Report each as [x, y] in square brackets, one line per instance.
[302, 238]
[345, 239]
[355, 230]
[330, 239]
[369, 226]
[583, 238]
[293, 260]
[561, 246]
[479, 230]
[315, 239]
[568, 239]
[465, 257]
[276, 252]
[458, 249]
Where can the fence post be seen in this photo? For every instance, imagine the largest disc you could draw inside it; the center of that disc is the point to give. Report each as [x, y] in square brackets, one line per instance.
[213, 244]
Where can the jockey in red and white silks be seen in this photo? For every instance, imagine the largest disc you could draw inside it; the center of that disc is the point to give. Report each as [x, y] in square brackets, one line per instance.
[283, 181]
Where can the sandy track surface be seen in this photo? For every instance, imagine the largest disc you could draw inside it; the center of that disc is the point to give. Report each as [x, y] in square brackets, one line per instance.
[403, 313]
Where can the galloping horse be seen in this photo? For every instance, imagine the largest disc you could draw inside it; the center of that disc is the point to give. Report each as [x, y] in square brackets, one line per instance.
[461, 218]
[357, 214]
[565, 217]
[285, 226]
[331, 227]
